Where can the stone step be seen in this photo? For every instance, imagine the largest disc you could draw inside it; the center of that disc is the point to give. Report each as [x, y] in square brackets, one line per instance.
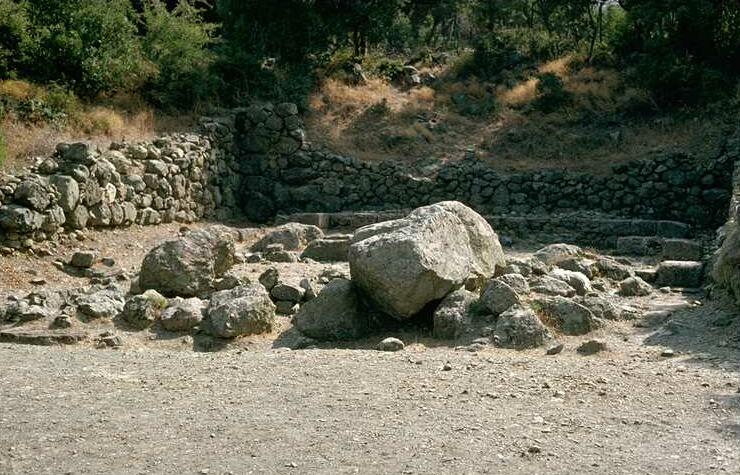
[670, 249]
[582, 227]
[686, 274]
[42, 337]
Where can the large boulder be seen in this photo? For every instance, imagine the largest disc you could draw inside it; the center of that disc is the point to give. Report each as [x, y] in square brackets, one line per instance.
[187, 266]
[335, 314]
[452, 318]
[292, 236]
[405, 264]
[69, 191]
[245, 310]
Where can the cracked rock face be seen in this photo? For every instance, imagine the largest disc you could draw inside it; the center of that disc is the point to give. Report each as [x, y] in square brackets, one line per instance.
[404, 265]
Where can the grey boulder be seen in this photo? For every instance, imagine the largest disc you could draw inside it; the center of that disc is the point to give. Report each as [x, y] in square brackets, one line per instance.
[245, 310]
[520, 328]
[335, 314]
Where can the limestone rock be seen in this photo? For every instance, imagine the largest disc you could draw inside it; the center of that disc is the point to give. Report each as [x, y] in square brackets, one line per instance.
[335, 314]
[405, 264]
[188, 266]
[634, 287]
[568, 316]
[452, 316]
[292, 236]
[182, 314]
[141, 311]
[520, 328]
[244, 310]
[547, 285]
[578, 281]
[328, 249]
[555, 253]
[105, 303]
[391, 344]
[498, 297]
[680, 274]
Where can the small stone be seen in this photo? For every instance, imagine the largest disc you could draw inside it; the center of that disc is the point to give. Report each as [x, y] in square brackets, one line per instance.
[591, 347]
[391, 344]
[447, 367]
[534, 449]
[667, 353]
[555, 349]
[269, 278]
[38, 281]
[83, 259]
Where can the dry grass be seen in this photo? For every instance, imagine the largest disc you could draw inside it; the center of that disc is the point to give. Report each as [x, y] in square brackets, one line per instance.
[378, 121]
[118, 118]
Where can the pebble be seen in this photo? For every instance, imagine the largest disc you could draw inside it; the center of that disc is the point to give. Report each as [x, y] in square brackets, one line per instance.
[391, 344]
[447, 367]
[668, 353]
[555, 349]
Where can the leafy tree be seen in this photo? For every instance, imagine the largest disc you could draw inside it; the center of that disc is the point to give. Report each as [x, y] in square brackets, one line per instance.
[176, 43]
[90, 44]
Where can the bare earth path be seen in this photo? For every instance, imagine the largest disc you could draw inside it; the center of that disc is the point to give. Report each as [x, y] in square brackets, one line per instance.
[80, 410]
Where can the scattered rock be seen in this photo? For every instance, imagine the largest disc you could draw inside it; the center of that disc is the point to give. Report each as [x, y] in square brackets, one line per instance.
[634, 287]
[578, 281]
[680, 274]
[141, 311]
[187, 266]
[244, 310]
[405, 264]
[182, 315]
[292, 237]
[105, 303]
[269, 278]
[547, 285]
[498, 297]
[391, 344]
[568, 316]
[555, 253]
[328, 249]
[83, 259]
[452, 316]
[335, 314]
[520, 328]
[591, 347]
[555, 349]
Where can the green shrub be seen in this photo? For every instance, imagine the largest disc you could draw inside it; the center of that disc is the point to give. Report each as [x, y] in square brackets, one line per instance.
[91, 45]
[15, 37]
[551, 94]
[177, 45]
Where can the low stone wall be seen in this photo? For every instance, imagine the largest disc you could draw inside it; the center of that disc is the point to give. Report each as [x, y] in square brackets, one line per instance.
[180, 177]
[670, 187]
[256, 160]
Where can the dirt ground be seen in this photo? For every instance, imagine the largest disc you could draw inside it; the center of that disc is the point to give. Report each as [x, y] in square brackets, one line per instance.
[155, 406]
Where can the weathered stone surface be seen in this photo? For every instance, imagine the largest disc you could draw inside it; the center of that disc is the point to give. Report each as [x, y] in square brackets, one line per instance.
[682, 250]
[269, 278]
[452, 317]
[520, 328]
[612, 269]
[592, 347]
[547, 285]
[69, 191]
[405, 264]
[292, 236]
[578, 281]
[328, 249]
[182, 315]
[244, 310]
[288, 292]
[105, 303]
[391, 344]
[726, 270]
[601, 307]
[187, 266]
[555, 253]
[634, 287]
[141, 311]
[498, 297]
[335, 314]
[33, 192]
[680, 274]
[83, 259]
[568, 316]
[20, 219]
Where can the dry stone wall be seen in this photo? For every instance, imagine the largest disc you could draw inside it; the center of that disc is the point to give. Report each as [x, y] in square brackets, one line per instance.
[668, 187]
[255, 162]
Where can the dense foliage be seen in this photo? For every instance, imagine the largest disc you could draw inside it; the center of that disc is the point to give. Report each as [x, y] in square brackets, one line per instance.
[178, 52]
